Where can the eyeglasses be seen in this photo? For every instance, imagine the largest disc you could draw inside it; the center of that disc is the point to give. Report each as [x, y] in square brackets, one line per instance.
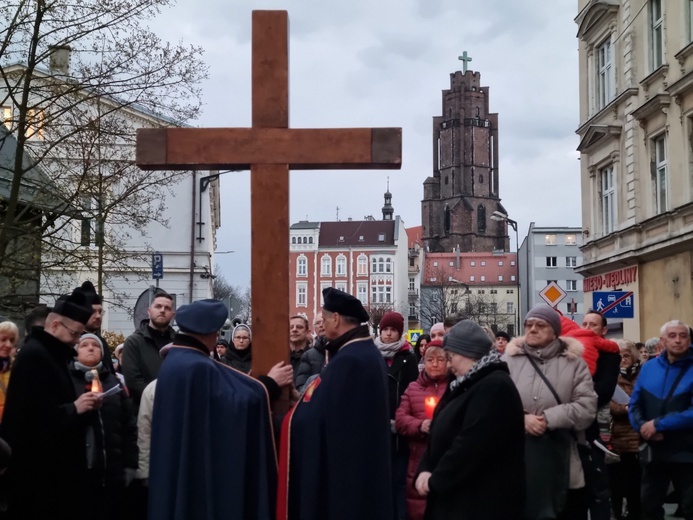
[244, 338]
[75, 334]
[540, 325]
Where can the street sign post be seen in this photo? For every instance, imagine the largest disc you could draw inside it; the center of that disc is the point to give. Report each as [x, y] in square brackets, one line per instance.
[614, 304]
[157, 267]
[552, 294]
[414, 335]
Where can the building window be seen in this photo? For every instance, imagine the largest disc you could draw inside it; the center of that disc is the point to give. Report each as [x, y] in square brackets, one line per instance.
[310, 240]
[452, 264]
[342, 286]
[500, 277]
[471, 278]
[605, 74]
[550, 261]
[302, 266]
[571, 285]
[656, 34]
[512, 263]
[362, 265]
[362, 293]
[510, 291]
[472, 264]
[608, 199]
[435, 264]
[388, 266]
[301, 291]
[483, 264]
[512, 278]
[381, 237]
[412, 310]
[34, 120]
[571, 261]
[494, 291]
[481, 291]
[6, 116]
[550, 240]
[326, 266]
[293, 240]
[570, 240]
[500, 263]
[341, 265]
[305, 240]
[412, 284]
[483, 278]
[323, 286]
[388, 294]
[660, 174]
[378, 294]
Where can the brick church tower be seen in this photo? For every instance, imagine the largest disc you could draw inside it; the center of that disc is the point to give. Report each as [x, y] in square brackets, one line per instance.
[463, 192]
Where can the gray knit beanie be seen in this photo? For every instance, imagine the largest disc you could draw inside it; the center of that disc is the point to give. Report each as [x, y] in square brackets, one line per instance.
[544, 312]
[468, 339]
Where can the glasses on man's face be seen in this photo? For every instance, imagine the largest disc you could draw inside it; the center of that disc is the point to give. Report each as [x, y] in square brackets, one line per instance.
[540, 325]
[75, 334]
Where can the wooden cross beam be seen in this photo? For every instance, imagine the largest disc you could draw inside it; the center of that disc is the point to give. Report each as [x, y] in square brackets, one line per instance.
[270, 149]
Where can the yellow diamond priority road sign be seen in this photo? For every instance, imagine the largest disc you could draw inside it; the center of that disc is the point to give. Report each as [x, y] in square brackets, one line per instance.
[552, 294]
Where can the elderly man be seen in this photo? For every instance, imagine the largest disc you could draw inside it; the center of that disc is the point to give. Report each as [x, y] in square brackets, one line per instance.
[661, 409]
[42, 422]
[196, 400]
[335, 453]
[141, 359]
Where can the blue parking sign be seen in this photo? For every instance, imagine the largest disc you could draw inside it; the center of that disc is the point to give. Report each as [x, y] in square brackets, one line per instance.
[157, 266]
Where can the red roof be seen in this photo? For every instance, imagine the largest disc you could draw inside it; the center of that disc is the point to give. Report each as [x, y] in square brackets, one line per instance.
[414, 236]
[442, 267]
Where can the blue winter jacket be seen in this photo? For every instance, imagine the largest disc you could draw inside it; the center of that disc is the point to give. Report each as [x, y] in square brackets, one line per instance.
[673, 418]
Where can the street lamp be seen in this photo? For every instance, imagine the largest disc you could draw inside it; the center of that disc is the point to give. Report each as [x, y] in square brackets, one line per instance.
[502, 217]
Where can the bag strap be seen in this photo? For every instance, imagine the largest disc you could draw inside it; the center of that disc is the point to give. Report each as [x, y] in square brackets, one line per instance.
[546, 381]
[678, 379]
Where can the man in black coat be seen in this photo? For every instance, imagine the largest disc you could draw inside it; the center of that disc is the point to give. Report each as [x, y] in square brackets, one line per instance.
[141, 359]
[477, 436]
[43, 418]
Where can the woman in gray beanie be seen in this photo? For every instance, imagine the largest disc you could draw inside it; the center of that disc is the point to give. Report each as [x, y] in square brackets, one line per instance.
[560, 403]
[477, 436]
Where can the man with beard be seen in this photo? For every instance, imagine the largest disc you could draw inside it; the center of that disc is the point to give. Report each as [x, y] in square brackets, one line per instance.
[335, 446]
[141, 360]
[42, 419]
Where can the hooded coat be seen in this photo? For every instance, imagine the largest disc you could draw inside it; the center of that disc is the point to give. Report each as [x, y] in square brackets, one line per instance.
[562, 364]
[408, 419]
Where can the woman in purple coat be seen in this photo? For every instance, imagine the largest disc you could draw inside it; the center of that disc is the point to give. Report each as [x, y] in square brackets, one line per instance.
[413, 418]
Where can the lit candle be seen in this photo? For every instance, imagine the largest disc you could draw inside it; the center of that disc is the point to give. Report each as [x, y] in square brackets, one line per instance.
[430, 404]
[95, 383]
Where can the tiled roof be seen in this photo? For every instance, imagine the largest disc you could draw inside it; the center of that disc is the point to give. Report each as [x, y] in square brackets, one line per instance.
[414, 236]
[438, 266]
[359, 233]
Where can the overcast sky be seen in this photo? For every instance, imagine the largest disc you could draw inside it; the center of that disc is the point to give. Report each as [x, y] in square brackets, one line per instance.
[364, 63]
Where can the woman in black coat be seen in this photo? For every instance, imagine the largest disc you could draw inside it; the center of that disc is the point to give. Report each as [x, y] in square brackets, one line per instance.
[473, 467]
[111, 431]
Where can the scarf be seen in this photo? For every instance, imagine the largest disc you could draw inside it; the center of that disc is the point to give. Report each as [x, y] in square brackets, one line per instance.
[550, 351]
[5, 364]
[85, 368]
[388, 350]
[489, 359]
[631, 370]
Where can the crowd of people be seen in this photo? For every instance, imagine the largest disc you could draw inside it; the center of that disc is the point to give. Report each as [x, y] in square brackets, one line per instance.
[468, 422]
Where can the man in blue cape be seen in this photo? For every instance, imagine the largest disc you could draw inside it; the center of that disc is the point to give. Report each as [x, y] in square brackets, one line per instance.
[335, 446]
[199, 401]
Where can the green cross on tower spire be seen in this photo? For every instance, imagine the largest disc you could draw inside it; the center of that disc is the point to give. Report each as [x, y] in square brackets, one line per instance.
[465, 60]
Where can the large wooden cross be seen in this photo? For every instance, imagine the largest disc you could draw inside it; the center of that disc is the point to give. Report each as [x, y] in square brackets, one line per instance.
[269, 149]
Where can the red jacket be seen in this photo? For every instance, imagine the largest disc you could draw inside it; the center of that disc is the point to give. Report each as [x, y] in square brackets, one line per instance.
[593, 344]
[408, 418]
